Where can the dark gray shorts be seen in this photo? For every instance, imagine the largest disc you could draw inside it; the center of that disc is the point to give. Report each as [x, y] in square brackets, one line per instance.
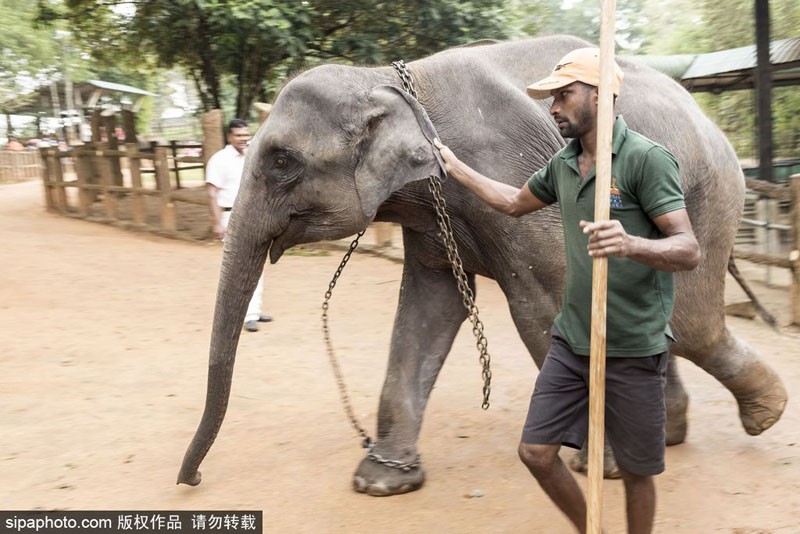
[635, 415]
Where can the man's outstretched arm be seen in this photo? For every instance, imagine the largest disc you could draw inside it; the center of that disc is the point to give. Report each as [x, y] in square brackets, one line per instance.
[502, 197]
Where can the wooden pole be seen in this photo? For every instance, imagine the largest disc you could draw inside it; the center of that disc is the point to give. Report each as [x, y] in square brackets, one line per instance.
[137, 201]
[794, 255]
[213, 133]
[168, 215]
[597, 365]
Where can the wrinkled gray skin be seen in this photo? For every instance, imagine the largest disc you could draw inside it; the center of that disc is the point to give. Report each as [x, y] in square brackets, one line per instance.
[338, 152]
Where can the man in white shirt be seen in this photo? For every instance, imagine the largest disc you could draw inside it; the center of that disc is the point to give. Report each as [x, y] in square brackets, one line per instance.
[223, 176]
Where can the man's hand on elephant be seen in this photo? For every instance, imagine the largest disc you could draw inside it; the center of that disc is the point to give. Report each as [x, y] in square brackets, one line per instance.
[607, 238]
[449, 158]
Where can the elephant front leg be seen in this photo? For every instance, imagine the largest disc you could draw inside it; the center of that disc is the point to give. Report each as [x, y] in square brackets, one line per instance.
[428, 317]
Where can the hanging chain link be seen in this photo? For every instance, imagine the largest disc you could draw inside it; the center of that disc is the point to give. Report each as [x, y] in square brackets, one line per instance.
[446, 229]
[467, 295]
[367, 442]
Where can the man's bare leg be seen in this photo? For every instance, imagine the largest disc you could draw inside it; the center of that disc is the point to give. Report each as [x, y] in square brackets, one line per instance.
[556, 480]
[640, 502]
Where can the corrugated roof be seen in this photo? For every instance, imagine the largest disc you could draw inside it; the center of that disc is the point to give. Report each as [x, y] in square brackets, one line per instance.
[735, 68]
[39, 101]
[673, 66]
[122, 88]
[729, 69]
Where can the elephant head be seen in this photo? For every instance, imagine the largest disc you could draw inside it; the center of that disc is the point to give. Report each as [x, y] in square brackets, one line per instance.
[338, 143]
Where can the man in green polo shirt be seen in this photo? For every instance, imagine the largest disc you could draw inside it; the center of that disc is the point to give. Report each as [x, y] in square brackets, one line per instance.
[648, 237]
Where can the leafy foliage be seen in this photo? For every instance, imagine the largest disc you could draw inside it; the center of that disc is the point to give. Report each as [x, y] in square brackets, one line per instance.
[239, 51]
[26, 52]
[710, 25]
[250, 43]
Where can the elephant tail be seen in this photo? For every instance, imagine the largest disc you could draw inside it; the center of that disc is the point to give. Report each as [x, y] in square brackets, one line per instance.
[762, 312]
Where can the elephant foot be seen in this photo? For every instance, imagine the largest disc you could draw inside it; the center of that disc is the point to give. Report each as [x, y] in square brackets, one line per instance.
[380, 480]
[758, 413]
[676, 430]
[580, 463]
[762, 398]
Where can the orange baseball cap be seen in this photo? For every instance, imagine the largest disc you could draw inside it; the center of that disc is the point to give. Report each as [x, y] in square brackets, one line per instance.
[581, 65]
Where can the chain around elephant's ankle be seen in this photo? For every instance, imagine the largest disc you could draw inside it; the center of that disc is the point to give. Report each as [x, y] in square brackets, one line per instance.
[394, 464]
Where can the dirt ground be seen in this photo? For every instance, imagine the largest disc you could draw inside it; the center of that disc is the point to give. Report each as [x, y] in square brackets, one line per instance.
[103, 349]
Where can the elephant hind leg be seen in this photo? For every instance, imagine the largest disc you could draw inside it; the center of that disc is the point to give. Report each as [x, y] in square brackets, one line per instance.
[677, 405]
[761, 406]
[759, 391]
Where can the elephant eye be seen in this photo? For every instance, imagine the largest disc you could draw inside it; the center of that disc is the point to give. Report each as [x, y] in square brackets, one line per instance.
[283, 165]
[280, 161]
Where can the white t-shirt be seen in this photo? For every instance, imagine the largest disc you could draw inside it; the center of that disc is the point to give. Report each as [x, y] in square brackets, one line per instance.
[224, 170]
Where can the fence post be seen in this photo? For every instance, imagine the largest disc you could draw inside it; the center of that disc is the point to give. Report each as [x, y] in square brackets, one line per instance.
[213, 135]
[83, 171]
[173, 145]
[794, 256]
[104, 166]
[47, 181]
[113, 163]
[129, 126]
[168, 218]
[95, 125]
[5, 166]
[383, 234]
[137, 201]
[53, 160]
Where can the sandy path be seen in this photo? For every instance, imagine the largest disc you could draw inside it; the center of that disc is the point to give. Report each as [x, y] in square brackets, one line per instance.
[103, 348]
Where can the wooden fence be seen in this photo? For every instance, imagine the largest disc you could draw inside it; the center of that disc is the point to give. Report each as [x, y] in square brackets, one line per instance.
[115, 186]
[19, 165]
[769, 233]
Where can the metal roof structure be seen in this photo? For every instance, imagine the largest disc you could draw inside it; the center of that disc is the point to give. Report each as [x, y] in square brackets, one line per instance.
[120, 88]
[86, 95]
[728, 70]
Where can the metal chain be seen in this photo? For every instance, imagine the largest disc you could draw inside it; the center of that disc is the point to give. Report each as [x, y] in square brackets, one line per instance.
[367, 442]
[467, 295]
[405, 77]
[396, 464]
[446, 229]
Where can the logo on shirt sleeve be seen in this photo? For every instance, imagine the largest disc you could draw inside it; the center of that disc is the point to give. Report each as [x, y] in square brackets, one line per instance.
[616, 196]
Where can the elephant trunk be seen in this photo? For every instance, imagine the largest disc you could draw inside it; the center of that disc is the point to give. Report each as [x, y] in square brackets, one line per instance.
[241, 269]
[219, 382]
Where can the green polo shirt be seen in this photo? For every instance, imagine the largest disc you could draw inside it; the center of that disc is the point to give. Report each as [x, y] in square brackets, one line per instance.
[645, 183]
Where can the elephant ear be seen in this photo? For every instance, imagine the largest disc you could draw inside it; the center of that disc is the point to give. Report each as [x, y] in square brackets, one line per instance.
[396, 147]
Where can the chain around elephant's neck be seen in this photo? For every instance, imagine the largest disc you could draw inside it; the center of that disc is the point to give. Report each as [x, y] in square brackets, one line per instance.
[445, 228]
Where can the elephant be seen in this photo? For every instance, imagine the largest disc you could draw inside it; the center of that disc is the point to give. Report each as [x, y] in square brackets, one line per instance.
[343, 147]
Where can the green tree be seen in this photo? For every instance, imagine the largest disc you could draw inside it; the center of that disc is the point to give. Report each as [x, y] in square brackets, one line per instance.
[248, 44]
[27, 53]
[582, 18]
